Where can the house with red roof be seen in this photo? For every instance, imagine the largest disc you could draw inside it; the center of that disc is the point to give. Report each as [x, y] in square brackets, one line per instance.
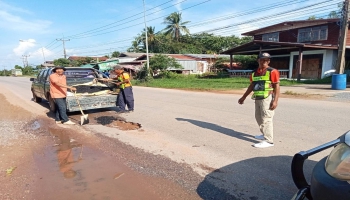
[306, 47]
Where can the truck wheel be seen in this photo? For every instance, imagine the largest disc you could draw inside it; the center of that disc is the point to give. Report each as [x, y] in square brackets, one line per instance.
[52, 104]
[35, 98]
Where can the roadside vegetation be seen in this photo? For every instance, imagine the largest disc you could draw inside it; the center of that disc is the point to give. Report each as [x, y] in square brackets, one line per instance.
[205, 82]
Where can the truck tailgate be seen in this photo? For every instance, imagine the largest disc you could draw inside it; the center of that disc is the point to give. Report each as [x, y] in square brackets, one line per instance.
[88, 102]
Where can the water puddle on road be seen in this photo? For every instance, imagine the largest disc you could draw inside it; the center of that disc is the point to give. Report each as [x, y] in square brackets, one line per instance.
[71, 170]
[35, 126]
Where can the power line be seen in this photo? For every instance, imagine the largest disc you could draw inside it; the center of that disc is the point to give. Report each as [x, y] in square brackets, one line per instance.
[141, 22]
[248, 12]
[297, 10]
[64, 47]
[270, 21]
[117, 24]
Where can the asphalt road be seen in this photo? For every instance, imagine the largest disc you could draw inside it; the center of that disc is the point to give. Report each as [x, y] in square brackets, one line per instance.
[213, 133]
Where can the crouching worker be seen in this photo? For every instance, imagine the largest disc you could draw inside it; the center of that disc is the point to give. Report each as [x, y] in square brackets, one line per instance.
[126, 96]
[58, 92]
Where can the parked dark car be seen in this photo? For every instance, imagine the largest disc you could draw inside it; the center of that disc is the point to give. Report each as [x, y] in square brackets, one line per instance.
[330, 179]
[91, 93]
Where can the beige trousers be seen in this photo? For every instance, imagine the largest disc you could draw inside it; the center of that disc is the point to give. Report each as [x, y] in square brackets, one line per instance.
[264, 116]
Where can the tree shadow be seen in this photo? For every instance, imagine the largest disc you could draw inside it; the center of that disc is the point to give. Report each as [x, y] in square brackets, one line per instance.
[256, 178]
[220, 129]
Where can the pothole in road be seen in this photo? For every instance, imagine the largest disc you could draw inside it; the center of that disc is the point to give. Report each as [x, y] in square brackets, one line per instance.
[119, 123]
[110, 120]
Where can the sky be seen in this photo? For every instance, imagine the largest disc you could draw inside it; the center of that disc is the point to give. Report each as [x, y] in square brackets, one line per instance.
[35, 29]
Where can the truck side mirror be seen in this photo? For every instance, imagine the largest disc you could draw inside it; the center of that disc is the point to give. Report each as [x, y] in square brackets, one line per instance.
[32, 79]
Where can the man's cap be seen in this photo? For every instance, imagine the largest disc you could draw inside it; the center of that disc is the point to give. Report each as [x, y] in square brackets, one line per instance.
[264, 55]
[117, 67]
[58, 67]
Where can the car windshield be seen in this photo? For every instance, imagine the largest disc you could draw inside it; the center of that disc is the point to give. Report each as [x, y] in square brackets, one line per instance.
[79, 73]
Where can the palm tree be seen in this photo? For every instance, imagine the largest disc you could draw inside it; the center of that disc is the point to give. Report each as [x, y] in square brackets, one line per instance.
[175, 25]
[135, 45]
[151, 34]
[333, 14]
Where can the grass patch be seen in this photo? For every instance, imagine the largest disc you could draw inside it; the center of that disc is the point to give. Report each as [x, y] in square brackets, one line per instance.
[200, 83]
[197, 83]
[327, 80]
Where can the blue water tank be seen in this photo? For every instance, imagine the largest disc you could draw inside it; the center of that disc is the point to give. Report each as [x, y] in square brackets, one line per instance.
[339, 81]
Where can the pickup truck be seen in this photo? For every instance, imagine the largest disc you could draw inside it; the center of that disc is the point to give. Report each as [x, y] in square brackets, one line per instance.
[91, 93]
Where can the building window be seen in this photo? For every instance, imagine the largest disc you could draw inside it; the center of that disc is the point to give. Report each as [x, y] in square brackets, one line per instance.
[271, 37]
[312, 34]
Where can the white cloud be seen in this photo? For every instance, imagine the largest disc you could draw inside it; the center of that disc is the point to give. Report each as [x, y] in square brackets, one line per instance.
[23, 47]
[5, 6]
[178, 5]
[34, 50]
[12, 22]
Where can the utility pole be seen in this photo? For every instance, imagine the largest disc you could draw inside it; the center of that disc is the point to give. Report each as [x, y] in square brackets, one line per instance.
[144, 18]
[24, 65]
[64, 47]
[4, 71]
[25, 60]
[342, 41]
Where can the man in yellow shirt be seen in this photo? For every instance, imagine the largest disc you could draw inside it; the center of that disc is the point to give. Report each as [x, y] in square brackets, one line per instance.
[126, 96]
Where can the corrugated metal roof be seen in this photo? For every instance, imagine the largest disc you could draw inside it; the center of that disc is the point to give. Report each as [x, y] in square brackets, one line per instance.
[131, 55]
[180, 57]
[204, 56]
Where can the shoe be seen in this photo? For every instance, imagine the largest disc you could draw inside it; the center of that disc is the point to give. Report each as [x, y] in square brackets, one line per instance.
[130, 110]
[259, 137]
[122, 111]
[68, 123]
[58, 122]
[263, 144]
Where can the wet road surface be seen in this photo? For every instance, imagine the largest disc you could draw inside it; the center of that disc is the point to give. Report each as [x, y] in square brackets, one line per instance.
[64, 163]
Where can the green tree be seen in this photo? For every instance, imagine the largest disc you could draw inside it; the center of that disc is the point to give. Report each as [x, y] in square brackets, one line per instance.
[28, 70]
[333, 14]
[313, 17]
[175, 25]
[162, 63]
[152, 39]
[247, 62]
[115, 54]
[219, 63]
[61, 62]
[135, 44]
[18, 67]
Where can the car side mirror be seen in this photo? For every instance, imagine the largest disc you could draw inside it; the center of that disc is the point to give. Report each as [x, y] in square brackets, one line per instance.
[32, 79]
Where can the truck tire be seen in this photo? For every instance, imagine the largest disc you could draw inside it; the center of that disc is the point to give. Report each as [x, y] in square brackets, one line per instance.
[36, 99]
[52, 104]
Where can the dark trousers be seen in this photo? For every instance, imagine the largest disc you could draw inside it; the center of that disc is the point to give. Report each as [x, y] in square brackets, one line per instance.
[126, 97]
[61, 109]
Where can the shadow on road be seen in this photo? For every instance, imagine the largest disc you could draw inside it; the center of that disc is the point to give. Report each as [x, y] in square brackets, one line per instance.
[220, 129]
[258, 178]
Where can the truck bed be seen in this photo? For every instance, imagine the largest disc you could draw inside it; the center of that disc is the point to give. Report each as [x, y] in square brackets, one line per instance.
[91, 102]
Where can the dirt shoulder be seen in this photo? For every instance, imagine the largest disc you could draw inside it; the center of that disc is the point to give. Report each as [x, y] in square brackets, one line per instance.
[36, 154]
